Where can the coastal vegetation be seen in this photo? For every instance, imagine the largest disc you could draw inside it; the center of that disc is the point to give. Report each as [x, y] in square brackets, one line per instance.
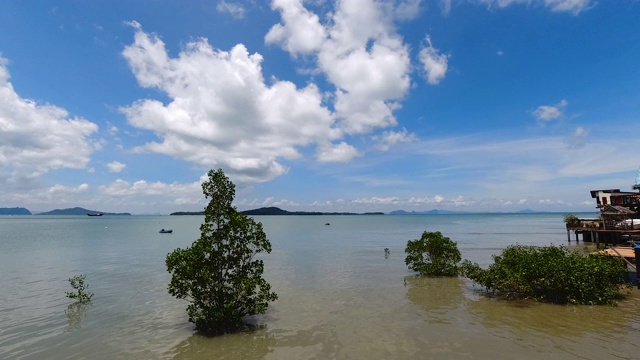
[571, 220]
[552, 274]
[78, 284]
[220, 274]
[433, 254]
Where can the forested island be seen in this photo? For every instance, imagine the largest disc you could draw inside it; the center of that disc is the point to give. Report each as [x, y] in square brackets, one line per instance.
[277, 211]
[14, 211]
[78, 211]
[68, 211]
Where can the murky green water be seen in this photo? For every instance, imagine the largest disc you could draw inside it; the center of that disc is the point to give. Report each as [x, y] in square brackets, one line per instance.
[338, 295]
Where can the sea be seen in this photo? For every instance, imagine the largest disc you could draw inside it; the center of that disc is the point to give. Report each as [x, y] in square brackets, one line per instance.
[339, 296]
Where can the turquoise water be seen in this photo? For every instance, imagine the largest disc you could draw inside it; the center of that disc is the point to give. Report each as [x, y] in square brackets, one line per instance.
[339, 297]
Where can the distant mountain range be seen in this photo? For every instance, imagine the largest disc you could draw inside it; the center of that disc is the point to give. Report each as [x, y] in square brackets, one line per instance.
[278, 211]
[436, 211]
[261, 211]
[68, 211]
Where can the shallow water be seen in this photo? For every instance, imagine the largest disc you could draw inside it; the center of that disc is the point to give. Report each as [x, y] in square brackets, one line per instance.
[339, 297]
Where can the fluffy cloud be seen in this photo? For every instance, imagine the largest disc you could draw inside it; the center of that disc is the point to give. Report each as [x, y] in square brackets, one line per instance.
[358, 51]
[421, 201]
[300, 32]
[550, 112]
[434, 64]
[37, 138]
[341, 152]
[377, 201]
[221, 113]
[141, 192]
[116, 166]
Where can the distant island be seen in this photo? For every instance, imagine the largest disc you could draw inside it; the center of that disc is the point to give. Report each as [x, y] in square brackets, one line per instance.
[277, 211]
[78, 211]
[14, 211]
[261, 211]
[429, 212]
[444, 212]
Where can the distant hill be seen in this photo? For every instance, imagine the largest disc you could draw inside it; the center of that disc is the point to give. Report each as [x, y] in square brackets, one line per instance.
[529, 211]
[14, 211]
[78, 211]
[435, 211]
[429, 212]
[277, 211]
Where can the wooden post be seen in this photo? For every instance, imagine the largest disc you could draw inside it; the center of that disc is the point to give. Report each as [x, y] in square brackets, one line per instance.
[568, 235]
[637, 252]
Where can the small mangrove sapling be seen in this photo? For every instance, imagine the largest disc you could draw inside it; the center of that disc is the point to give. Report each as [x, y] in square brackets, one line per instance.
[81, 294]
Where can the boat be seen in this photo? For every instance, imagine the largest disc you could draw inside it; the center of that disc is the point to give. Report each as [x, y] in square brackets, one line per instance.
[167, 231]
[95, 214]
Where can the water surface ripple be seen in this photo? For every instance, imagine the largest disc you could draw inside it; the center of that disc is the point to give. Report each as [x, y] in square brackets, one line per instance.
[339, 297]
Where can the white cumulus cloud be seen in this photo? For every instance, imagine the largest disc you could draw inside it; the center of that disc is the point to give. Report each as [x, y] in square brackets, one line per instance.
[434, 64]
[221, 113]
[341, 152]
[300, 31]
[116, 166]
[358, 51]
[37, 138]
[550, 112]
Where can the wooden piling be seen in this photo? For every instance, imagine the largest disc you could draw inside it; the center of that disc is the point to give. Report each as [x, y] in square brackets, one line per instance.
[637, 252]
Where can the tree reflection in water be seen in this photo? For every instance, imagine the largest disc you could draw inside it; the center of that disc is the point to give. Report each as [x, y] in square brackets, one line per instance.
[250, 344]
[76, 312]
[436, 295]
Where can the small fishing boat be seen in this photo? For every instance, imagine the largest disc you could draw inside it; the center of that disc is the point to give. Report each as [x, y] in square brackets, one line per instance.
[167, 231]
[95, 214]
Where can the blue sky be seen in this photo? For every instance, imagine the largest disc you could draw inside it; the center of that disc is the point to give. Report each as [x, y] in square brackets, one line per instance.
[352, 105]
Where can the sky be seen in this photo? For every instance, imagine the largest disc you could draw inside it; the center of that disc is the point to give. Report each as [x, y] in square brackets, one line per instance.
[317, 105]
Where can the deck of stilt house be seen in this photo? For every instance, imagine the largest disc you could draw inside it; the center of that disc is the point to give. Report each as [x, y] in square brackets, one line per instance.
[617, 228]
[589, 230]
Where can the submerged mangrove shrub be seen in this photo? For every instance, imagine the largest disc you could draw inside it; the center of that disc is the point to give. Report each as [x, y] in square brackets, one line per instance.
[220, 274]
[551, 274]
[433, 254]
[81, 294]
